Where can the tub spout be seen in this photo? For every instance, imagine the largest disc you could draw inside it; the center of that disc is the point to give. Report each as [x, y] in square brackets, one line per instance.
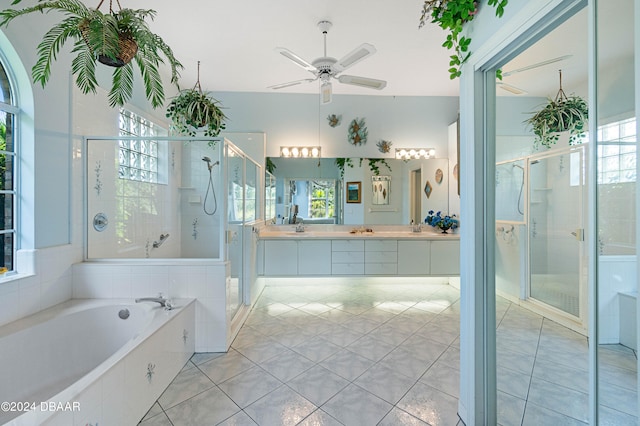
[165, 303]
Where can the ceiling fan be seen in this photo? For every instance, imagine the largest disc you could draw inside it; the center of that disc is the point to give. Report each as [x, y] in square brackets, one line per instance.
[516, 90]
[325, 68]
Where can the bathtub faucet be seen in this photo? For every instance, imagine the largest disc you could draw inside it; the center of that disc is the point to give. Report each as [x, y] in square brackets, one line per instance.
[163, 237]
[165, 303]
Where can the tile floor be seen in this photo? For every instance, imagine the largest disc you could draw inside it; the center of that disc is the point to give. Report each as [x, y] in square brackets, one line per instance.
[358, 352]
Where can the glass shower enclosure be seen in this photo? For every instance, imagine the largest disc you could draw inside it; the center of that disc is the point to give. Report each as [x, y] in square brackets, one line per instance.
[171, 201]
[556, 231]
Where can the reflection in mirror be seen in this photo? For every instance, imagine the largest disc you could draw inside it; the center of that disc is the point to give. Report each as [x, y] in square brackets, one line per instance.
[269, 197]
[381, 187]
[310, 201]
[312, 175]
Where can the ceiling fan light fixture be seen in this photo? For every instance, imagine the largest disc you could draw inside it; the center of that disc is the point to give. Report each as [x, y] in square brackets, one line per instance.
[325, 93]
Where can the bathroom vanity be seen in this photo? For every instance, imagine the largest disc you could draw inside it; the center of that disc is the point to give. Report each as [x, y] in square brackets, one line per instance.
[342, 250]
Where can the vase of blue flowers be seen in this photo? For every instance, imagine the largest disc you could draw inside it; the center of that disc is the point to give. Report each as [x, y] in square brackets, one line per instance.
[443, 223]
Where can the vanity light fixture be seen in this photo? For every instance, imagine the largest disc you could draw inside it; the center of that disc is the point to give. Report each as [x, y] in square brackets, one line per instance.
[414, 153]
[300, 151]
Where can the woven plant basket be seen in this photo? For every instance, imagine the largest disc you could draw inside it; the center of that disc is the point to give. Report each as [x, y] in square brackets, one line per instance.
[126, 52]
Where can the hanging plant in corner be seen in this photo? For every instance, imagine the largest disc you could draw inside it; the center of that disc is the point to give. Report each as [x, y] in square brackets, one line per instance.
[451, 15]
[193, 110]
[562, 114]
[114, 38]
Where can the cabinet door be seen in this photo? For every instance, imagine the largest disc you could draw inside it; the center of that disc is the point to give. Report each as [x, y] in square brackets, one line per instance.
[445, 258]
[414, 257]
[280, 258]
[314, 257]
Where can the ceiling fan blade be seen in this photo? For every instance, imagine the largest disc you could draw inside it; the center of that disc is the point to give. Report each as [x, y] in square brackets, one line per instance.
[355, 56]
[509, 88]
[296, 59]
[291, 83]
[325, 93]
[370, 83]
[536, 65]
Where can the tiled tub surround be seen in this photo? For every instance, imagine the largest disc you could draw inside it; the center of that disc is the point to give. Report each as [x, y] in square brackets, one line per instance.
[109, 370]
[205, 280]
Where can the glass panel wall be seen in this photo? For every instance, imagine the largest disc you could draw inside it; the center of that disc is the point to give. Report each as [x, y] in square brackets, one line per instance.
[616, 170]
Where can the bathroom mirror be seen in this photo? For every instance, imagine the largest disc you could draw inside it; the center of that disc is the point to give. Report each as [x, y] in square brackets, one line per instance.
[380, 186]
[390, 207]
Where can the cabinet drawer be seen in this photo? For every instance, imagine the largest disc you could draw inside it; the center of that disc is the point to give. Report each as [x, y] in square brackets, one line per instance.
[381, 245]
[381, 268]
[347, 257]
[347, 245]
[347, 268]
[381, 257]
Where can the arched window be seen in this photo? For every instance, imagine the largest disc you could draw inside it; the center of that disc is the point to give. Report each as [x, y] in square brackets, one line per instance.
[8, 114]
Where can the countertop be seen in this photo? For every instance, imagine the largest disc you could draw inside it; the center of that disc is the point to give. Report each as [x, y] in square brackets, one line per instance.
[288, 232]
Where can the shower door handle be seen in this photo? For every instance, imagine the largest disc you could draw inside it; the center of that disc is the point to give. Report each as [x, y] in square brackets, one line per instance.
[579, 234]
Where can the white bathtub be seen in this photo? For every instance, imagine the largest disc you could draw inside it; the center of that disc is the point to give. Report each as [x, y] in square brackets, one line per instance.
[79, 363]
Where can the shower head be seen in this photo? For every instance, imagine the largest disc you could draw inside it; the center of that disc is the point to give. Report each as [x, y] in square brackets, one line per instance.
[207, 159]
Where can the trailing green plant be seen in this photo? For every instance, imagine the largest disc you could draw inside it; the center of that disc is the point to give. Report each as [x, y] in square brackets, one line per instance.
[192, 110]
[102, 37]
[270, 165]
[562, 114]
[451, 15]
[341, 163]
[373, 165]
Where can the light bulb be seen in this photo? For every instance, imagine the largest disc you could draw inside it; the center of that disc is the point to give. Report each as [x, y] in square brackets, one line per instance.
[285, 152]
[305, 152]
[412, 152]
[315, 152]
[432, 152]
[295, 152]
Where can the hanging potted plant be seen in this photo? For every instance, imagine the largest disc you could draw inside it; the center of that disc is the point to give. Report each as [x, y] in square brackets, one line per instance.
[193, 110]
[562, 114]
[114, 38]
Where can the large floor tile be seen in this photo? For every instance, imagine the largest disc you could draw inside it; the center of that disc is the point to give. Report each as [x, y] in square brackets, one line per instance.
[283, 407]
[184, 386]
[398, 417]
[209, 407]
[287, 365]
[560, 399]
[430, 405]
[239, 419]
[318, 384]
[371, 348]
[347, 364]
[320, 418]
[443, 378]
[510, 410]
[227, 366]
[535, 415]
[385, 383]
[249, 386]
[354, 406]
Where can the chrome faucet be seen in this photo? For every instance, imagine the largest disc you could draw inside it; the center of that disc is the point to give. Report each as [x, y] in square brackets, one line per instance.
[165, 303]
[163, 237]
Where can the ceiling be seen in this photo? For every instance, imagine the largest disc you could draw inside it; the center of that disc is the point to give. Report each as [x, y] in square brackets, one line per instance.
[235, 43]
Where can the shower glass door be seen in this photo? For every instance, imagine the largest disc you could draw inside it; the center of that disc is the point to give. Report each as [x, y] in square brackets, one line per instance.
[235, 221]
[556, 230]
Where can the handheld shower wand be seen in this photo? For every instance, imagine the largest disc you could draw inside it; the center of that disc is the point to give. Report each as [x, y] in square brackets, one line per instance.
[210, 187]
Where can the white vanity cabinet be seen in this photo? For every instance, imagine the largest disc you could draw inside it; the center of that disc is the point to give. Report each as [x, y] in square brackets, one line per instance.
[445, 258]
[414, 257]
[325, 256]
[314, 257]
[347, 257]
[280, 257]
[381, 257]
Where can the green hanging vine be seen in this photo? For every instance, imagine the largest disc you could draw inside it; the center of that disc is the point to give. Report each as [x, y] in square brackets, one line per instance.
[451, 15]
